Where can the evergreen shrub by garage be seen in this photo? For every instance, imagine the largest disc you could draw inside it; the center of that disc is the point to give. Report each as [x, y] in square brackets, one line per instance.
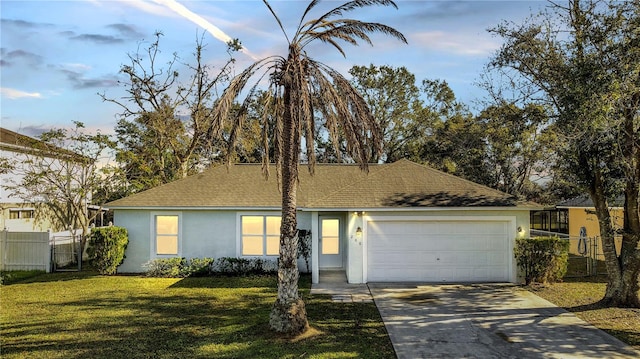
[542, 259]
[106, 248]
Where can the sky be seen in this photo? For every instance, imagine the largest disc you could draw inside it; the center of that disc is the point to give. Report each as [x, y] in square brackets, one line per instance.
[57, 56]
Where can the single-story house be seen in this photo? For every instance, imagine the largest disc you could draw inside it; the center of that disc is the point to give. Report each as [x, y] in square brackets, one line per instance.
[399, 222]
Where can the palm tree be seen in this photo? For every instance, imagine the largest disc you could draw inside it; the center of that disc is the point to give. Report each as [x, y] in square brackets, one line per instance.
[300, 87]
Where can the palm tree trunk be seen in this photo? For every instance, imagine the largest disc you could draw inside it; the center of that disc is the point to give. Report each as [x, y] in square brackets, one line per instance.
[288, 314]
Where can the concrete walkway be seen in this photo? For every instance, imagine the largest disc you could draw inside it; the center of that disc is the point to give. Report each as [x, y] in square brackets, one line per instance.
[486, 321]
[334, 283]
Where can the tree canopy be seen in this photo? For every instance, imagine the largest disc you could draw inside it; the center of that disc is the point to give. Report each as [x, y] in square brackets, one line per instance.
[581, 60]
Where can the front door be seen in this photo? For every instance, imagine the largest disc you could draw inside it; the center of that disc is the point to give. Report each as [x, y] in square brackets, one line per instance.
[330, 245]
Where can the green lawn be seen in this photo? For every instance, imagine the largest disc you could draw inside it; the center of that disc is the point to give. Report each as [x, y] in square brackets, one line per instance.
[581, 296]
[83, 315]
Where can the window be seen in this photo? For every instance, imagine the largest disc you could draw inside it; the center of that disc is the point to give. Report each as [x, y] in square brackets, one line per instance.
[167, 234]
[556, 220]
[330, 236]
[260, 235]
[21, 213]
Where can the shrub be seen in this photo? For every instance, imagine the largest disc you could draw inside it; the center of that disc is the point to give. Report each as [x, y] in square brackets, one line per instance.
[244, 266]
[106, 248]
[165, 267]
[179, 267]
[304, 247]
[199, 267]
[542, 259]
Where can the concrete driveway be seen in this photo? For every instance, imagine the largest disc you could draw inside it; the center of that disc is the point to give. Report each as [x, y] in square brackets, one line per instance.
[486, 321]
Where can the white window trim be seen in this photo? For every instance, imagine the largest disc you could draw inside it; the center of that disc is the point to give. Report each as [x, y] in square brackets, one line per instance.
[239, 216]
[152, 231]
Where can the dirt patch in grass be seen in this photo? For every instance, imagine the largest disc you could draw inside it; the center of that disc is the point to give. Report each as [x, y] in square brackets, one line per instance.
[581, 296]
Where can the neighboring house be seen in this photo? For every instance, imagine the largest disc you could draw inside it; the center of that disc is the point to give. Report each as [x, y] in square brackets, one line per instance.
[15, 214]
[581, 213]
[575, 218]
[399, 222]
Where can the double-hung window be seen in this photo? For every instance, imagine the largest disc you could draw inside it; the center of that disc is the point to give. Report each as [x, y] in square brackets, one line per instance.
[260, 235]
[166, 234]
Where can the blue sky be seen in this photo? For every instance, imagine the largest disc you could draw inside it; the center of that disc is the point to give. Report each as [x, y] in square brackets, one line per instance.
[57, 55]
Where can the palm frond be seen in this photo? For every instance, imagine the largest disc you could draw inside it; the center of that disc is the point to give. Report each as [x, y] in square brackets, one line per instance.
[350, 30]
[224, 104]
[347, 113]
[311, 5]
[277, 19]
[268, 106]
[349, 6]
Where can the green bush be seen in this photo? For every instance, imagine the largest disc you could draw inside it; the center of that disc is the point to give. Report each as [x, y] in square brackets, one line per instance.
[542, 259]
[244, 266]
[106, 248]
[179, 267]
[199, 267]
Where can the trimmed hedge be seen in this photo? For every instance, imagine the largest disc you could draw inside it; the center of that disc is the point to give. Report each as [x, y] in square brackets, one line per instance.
[106, 248]
[244, 266]
[542, 259]
[200, 267]
[179, 267]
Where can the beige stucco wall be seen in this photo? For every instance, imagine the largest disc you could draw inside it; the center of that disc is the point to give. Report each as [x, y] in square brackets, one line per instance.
[584, 217]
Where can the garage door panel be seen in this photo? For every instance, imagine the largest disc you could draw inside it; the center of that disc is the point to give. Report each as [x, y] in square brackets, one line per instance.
[436, 251]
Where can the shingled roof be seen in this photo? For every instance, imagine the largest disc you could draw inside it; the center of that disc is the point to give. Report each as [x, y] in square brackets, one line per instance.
[585, 201]
[402, 184]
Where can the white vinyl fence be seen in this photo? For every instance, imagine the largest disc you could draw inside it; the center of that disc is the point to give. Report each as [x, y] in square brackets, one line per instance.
[25, 251]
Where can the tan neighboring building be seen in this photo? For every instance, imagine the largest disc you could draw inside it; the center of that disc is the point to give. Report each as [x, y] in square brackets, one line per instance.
[575, 218]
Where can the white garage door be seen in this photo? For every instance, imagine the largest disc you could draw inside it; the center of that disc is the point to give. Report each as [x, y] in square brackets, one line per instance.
[438, 251]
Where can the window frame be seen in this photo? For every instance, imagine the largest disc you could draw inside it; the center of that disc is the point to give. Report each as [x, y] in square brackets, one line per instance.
[265, 236]
[20, 212]
[153, 236]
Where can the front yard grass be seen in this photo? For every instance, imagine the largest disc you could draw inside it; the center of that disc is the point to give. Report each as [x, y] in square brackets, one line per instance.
[581, 296]
[84, 315]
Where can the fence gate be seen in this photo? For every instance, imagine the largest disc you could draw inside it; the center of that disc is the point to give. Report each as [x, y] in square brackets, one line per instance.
[24, 251]
[64, 253]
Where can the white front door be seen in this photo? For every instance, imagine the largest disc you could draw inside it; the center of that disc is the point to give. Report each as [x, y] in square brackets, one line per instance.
[330, 245]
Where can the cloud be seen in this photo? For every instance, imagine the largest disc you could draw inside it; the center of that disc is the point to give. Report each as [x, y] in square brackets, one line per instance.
[459, 44]
[24, 24]
[126, 30]
[75, 75]
[32, 130]
[97, 38]
[14, 94]
[10, 57]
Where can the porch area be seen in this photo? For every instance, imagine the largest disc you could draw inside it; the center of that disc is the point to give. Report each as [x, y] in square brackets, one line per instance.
[334, 283]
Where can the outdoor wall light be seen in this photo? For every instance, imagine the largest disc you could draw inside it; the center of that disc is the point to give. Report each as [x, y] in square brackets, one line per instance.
[358, 233]
[520, 230]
